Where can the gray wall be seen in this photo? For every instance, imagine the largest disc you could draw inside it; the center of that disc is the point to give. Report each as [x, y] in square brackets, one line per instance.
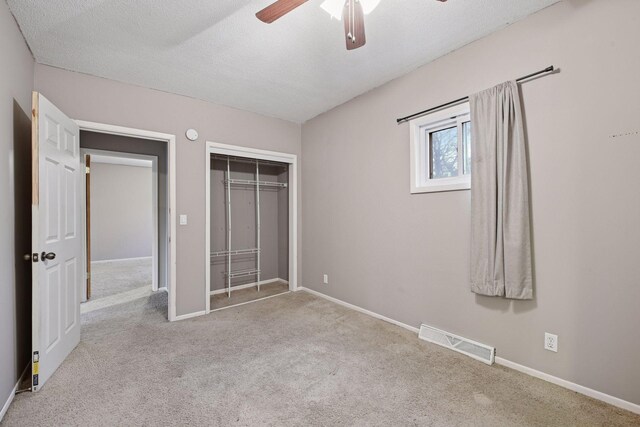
[100, 100]
[121, 211]
[16, 83]
[243, 223]
[123, 144]
[407, 256]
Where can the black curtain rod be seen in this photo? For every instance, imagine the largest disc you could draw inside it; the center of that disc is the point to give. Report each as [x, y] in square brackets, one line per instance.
[457, 101]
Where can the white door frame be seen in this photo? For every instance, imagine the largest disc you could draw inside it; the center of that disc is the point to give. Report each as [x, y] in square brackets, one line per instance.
[254, 153]
[171, 140]
[154, 202]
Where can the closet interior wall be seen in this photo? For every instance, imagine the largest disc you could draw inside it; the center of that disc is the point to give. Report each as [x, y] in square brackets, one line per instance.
[274, 222]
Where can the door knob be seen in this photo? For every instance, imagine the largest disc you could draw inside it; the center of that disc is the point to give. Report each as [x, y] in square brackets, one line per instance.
[45, 255]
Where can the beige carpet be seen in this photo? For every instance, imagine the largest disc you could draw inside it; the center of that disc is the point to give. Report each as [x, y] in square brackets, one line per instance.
[293, 360]
[243, 296]
[115, 277]
[115, 299]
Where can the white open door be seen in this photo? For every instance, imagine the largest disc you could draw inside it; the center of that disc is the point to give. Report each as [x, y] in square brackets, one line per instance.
[57, 239]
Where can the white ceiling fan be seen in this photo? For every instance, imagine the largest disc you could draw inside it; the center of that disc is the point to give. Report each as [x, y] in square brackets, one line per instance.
[351, 11]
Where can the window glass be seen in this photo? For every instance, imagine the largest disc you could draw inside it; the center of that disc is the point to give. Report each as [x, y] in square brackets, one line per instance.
[440, 150]
[466, 147]
[443, 149]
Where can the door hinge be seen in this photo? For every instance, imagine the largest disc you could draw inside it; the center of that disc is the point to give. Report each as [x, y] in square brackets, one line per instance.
[87, 169]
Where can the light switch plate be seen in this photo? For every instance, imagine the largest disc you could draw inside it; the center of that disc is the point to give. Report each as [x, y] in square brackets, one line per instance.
[183, 220]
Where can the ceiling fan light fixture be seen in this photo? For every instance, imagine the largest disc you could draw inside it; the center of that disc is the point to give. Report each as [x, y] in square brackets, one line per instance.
[335, 7]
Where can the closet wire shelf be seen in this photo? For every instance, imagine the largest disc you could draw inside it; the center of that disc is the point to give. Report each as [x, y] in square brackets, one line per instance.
[236, 252]
[241, 273]
[228, 253]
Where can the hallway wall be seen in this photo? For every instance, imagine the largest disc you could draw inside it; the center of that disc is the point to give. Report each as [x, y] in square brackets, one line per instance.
[121, 211]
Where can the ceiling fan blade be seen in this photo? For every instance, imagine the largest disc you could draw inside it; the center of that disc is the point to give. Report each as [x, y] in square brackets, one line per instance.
[278, 9]
[353, 17]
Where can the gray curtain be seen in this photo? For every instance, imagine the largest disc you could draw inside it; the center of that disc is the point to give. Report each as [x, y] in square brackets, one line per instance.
[500, 224]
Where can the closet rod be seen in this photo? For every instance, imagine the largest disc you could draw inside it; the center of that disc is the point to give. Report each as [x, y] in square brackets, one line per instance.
[549, 69]
[248, 160]
[252, 182]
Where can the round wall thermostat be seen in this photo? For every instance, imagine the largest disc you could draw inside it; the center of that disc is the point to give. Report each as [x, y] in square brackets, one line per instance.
[192, 134]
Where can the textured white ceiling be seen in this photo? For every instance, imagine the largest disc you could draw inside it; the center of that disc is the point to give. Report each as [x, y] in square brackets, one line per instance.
[216, 50]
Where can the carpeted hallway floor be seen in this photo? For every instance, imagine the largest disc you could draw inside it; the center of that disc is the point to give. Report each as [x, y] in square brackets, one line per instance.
[294, 360]
[115, 277]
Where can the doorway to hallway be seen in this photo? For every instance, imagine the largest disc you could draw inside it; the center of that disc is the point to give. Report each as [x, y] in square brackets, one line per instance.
[121, 211]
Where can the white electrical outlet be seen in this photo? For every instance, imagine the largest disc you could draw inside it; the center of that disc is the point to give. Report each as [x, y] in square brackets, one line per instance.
[550, 342]
[183, 220]
[325, 279]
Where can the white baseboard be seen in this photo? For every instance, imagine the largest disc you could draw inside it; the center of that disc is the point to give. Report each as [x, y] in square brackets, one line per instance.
[5, 408]
[629, 406]
[360, 309]
[571, 386]
[248, 285]
[190, 315]
[102, 261]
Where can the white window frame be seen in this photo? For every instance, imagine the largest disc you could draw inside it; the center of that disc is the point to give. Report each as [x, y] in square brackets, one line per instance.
[420, 158]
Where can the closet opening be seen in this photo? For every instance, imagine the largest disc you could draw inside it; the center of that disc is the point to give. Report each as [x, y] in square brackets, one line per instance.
[249, 227]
